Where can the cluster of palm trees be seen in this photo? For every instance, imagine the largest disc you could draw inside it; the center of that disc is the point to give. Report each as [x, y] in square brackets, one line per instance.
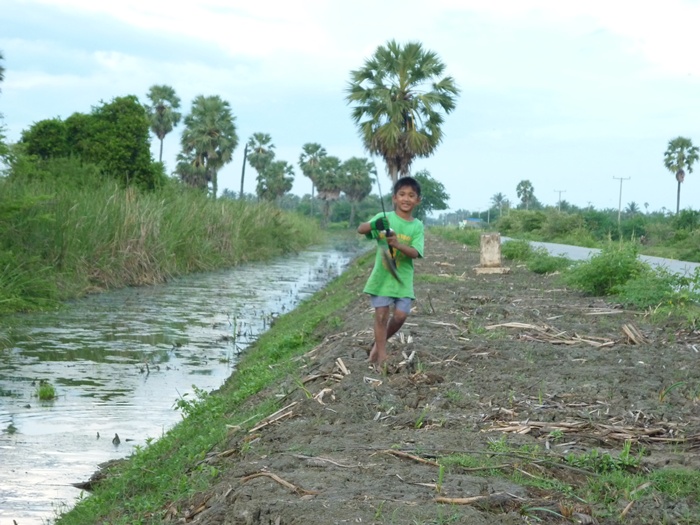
[399, 98]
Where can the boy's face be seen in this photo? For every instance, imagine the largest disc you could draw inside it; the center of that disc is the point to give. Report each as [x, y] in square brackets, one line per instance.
[405, 199]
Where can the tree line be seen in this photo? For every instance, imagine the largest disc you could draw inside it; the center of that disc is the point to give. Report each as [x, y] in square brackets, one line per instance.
[398, 98]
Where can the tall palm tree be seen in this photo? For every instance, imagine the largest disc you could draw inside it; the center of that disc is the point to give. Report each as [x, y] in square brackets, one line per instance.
[260, 151]
[309, 162]
[162, 112]
[275, 180]
[328, 183]
[498, 200]
[210, 136]
[356, 182]
[525, 191]
[679, 157]
[400, 96]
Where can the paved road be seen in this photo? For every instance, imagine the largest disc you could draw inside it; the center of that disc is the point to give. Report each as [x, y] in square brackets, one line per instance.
[578, 253]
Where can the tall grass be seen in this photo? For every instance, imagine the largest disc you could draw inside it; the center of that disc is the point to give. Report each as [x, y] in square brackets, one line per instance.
[59, 242]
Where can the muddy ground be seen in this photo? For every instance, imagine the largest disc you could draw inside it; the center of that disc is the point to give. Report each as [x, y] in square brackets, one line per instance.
[502, 365]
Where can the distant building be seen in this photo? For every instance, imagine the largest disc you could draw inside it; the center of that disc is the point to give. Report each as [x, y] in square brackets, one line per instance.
[471, 222]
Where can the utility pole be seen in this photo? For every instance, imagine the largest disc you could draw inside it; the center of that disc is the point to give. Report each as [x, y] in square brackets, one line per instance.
[619, 202]
[559, 202]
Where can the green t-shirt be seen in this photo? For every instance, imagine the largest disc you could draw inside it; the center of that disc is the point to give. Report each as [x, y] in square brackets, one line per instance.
[381, 282]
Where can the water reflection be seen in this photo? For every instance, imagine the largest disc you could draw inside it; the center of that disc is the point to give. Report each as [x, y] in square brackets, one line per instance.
[119, 361]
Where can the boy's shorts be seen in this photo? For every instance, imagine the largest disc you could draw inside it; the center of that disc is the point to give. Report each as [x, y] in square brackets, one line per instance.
[402, 304]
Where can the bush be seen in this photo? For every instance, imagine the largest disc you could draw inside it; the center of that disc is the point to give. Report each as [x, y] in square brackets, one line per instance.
[517, 250]
[606, 272]
[542, 262]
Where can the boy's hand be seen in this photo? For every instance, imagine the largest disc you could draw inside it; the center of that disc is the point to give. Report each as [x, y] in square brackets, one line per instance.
[379, 224]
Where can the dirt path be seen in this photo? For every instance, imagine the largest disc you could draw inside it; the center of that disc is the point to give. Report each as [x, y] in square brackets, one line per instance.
[489, 368]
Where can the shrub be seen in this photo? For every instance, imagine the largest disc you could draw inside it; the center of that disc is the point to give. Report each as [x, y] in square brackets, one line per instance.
[517, 250]
[542, 262]
[606, 272]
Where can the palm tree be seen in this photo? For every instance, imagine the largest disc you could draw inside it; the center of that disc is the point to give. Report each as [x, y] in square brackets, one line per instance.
[2, 69]
[261, 152]
[210, 136]
[632, 208]
[309, 162]
[275, 180]
[399, 98]
[162, 112]
[356, 182]
[190, 173]
[679, 157]
[525, 192]
[328, 183]
[498, 200]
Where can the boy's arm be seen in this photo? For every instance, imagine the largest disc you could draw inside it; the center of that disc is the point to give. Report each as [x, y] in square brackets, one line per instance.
[408, 251]
[364, 228]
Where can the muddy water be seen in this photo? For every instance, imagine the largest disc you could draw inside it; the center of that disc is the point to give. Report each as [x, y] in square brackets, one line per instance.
[119, 362]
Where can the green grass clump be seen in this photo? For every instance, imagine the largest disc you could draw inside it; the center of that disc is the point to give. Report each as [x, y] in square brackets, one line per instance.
[45, 391]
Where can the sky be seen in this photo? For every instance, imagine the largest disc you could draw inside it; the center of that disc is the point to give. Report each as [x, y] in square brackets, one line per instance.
[579, 98]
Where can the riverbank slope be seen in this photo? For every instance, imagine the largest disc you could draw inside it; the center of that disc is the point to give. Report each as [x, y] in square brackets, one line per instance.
[507, 399]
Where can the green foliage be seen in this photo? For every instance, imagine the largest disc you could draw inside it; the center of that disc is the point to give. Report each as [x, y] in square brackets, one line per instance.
[604, 462]
[558, 225]
[59, 241]
[517, 250]
[468, 236]
[46, 139]
[605, 272]
[399, 98]
[542, 262]
[45, 391]
[433, 195]
[114, 136]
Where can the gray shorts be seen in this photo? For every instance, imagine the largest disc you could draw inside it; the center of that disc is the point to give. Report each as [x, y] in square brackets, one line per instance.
[402, 304]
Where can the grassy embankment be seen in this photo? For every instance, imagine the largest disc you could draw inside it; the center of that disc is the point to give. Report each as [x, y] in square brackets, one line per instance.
[59, 243]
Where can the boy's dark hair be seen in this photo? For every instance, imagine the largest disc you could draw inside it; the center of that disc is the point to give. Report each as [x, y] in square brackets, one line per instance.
[407, 181]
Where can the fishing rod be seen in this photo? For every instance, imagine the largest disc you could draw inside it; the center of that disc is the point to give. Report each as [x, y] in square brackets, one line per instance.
[391, 262]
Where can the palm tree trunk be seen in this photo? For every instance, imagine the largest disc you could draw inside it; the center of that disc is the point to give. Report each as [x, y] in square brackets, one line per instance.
[160, 156]
[245, 156]
[351, 222]
[678, 198]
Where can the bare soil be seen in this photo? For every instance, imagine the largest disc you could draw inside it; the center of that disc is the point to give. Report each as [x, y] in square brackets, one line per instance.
[489, 367]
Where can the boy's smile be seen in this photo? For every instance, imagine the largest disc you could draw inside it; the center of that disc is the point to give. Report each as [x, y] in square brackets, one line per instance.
[405, 200]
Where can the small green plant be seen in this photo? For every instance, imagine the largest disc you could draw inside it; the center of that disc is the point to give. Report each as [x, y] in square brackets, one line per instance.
[666, 391]
[421, 418]
[556, 435]
[441, 476]
[602, 463]
[45, 391]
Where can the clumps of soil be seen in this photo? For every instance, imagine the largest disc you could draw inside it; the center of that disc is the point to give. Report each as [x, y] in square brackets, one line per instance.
[487, 366]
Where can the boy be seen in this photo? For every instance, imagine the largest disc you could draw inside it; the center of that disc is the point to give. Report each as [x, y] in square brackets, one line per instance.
[403, 234]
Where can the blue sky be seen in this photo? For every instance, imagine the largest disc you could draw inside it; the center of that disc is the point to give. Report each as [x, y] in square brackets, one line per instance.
[568, 95]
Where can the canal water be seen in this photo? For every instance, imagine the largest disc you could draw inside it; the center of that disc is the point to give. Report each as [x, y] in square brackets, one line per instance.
[120, 361]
